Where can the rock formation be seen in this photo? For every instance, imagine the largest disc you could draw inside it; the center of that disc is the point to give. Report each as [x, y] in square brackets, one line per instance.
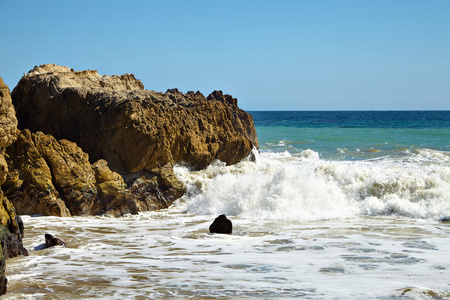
[221, 225]
[113, 196]
[11, 226]
[140, 133]
[92, 144]
[8, 120]
[55, 178]
[51, 241]
[114, 118]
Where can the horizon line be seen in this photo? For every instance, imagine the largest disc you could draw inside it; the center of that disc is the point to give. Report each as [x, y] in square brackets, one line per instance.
[349, 110]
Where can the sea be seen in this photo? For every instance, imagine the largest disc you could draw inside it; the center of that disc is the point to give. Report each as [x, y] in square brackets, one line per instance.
[333, 205]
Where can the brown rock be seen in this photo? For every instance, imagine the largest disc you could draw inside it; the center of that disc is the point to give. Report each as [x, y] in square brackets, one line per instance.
[29, 185]
[140, 134]
[8, 127]
[72, 174]
[135, 130]
[51, 241]
[113, 196]
[8, 121]
[153, 192]
[55, 178]
[11, 226]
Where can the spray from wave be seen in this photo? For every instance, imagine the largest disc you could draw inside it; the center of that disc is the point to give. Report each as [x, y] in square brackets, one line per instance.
[281, 186]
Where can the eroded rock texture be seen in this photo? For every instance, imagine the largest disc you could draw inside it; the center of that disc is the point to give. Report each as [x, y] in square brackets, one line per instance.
[140, 133]
[8, 121]
[11, 226]
[55, 178]
[114, 118]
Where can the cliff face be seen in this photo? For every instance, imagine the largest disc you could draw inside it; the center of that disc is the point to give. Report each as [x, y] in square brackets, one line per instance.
[8, 120]
[55, 178]
[114, 118]
[140, 133]
[11, 227]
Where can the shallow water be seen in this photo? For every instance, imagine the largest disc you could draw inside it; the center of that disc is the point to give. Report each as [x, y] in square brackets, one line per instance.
[170, 254]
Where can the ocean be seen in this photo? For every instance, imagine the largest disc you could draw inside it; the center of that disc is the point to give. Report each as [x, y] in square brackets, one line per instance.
[334, 205]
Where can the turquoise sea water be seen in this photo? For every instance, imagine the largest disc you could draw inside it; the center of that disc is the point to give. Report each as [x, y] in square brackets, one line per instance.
[353, 134]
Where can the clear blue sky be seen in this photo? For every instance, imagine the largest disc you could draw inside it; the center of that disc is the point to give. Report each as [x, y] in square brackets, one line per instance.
[271, 55]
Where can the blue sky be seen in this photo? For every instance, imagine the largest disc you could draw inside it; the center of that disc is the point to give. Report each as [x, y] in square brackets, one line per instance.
[271, 55]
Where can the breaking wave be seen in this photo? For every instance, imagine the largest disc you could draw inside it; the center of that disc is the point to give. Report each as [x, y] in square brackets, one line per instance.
[302, 187]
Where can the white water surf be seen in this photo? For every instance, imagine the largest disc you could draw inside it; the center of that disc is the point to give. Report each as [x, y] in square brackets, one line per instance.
[303, 227]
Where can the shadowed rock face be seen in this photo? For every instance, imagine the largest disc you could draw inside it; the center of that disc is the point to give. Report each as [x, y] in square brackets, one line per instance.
[55, 178]
[11, 226]
[135, 130]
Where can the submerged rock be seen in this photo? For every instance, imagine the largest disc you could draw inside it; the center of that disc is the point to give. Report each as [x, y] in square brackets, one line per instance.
[221, 225]
[51, 241]
[142, 134]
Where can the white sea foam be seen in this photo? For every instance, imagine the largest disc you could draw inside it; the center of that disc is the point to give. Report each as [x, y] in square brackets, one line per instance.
[281, 143]
[289, 236]
[165, 254]
[279, 186]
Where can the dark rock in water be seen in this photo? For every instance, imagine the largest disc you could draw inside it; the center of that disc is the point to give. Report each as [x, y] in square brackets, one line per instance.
[445, 220]
[51, 241]
[221, 225]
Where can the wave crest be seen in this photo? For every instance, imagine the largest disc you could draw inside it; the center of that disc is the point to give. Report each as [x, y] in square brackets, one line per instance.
[279, 186]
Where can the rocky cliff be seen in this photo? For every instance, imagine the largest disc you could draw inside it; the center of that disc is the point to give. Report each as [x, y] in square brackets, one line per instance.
[55, 178]
[94, 144]
[114, 118]
[11, 227]
[140, 133]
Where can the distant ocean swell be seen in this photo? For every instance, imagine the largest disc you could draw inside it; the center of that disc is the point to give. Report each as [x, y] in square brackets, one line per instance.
[304, 187]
